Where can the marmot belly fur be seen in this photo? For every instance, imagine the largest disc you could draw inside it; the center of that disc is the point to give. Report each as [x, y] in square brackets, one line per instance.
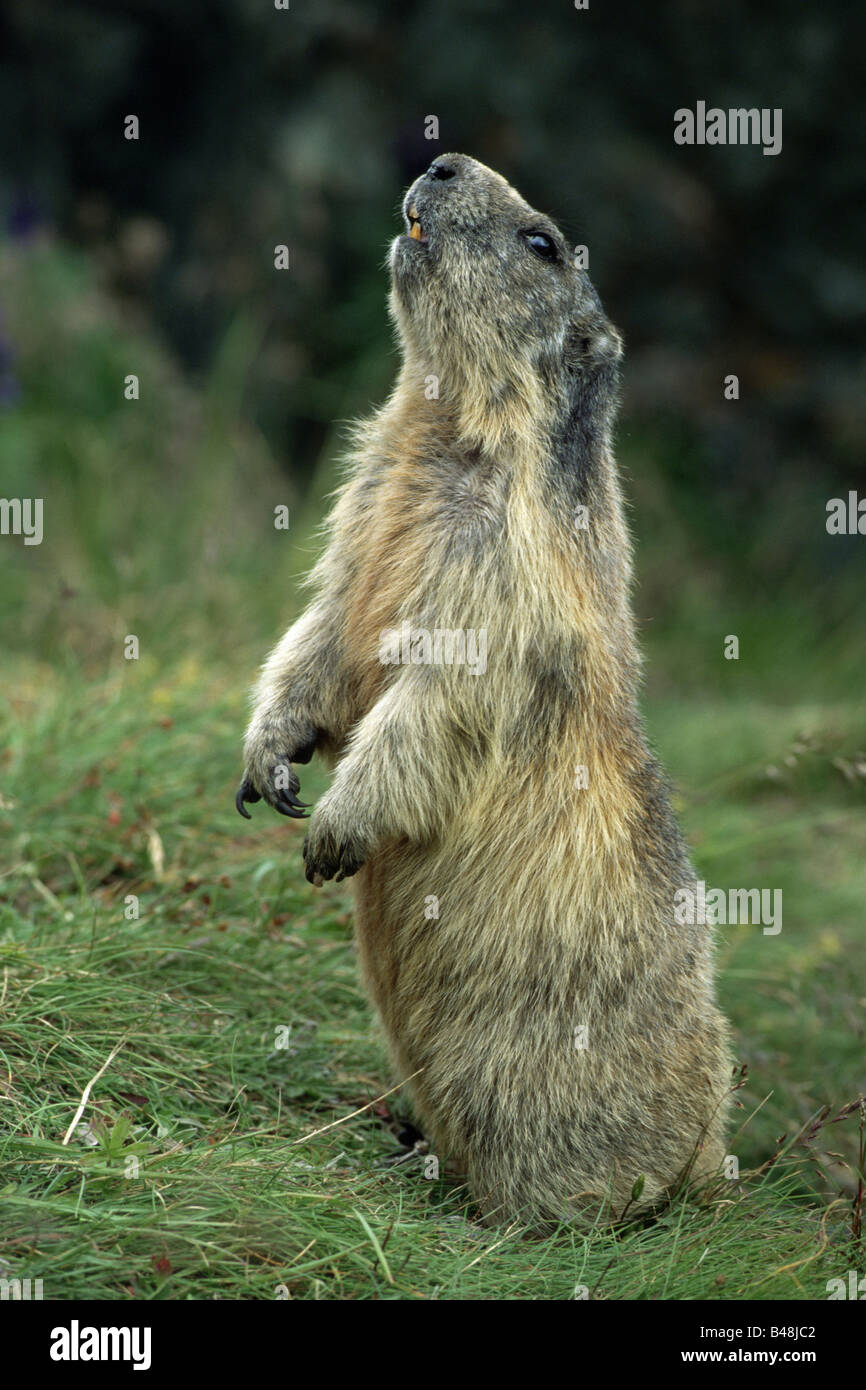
[468, 662]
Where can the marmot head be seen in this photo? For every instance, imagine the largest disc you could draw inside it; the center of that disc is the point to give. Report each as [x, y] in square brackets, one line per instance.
[489, 300]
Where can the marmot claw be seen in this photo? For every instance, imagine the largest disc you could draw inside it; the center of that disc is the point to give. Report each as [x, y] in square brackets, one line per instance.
[289, 805]
[282, 799]
[246, 792]
[325, 857]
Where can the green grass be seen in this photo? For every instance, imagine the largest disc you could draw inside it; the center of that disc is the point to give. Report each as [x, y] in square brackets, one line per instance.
[221, 1184]
[208, 1161]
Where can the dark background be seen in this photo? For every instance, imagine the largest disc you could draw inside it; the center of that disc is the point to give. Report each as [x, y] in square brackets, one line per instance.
[261, 126]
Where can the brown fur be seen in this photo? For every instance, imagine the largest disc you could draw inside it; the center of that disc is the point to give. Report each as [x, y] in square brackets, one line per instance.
[555, 903]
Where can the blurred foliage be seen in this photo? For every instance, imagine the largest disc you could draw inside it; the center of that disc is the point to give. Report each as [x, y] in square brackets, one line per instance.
[261, 126]
[159, 513]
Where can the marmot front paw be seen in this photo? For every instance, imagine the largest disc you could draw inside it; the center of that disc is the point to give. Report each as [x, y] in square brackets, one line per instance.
[270, 775]
[330, 853]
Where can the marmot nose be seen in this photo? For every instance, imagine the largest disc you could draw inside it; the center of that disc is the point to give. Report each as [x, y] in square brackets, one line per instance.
[441, 169]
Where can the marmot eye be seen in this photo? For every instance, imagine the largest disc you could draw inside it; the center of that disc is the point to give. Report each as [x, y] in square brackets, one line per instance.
[542, 245]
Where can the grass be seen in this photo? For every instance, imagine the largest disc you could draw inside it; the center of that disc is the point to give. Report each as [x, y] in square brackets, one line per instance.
[219, 1184]
[183, 1009]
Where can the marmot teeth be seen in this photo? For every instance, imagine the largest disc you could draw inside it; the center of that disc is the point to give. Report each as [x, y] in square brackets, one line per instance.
[416, 231]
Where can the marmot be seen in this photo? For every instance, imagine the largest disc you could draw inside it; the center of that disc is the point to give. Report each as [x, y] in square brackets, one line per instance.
[514, 852]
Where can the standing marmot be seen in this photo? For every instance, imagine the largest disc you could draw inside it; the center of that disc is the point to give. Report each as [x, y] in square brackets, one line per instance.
[515, 854]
